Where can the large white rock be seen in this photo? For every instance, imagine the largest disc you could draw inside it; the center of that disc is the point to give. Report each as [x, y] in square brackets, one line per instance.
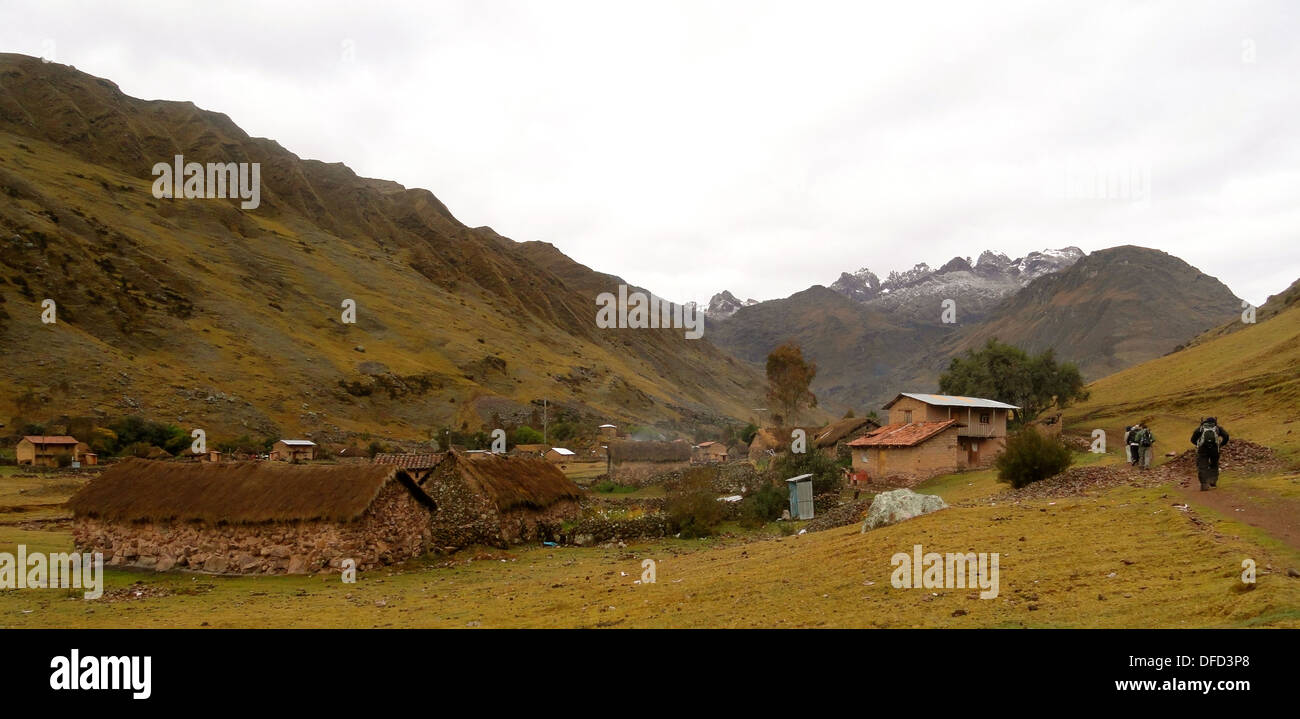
[899, 504]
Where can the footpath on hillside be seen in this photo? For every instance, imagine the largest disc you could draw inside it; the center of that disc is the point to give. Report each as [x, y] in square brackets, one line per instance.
[1272, 513]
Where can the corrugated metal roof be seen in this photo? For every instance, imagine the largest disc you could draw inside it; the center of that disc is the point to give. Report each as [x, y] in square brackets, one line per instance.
[903, 435]
[561, 450]
[948, 400]
[800, 478]
[299, 442]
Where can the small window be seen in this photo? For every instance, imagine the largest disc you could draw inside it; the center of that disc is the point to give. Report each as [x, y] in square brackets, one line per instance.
[984, 418]
[907, 416]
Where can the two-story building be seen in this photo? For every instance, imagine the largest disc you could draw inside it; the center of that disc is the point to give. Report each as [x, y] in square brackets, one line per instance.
[931, 434]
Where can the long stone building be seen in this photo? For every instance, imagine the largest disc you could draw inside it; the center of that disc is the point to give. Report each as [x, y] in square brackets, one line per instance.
[252, 517]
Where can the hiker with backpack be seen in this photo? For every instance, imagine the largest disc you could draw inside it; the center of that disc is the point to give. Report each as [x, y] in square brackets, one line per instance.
[1131, 442]
[1207, 440]
[1145, 439]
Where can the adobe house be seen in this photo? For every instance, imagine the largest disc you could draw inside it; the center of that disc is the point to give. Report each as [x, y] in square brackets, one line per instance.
[293, 450]
[708, 453]
[930, 434]
[833, 439]
[536, 450]
[498, 500]
[982, 434]
[44, 451]
[633, 462]
[251, 517]
[905, 454]
[559, 455]
[607, 431]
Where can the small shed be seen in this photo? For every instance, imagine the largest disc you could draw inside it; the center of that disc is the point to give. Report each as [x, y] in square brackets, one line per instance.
[801, 496]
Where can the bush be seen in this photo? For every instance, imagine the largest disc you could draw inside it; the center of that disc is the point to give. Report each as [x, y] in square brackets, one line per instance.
[764, 505]
[693, 507]
[63, 458]
[827, 477]
[1031, 457]
[527, 435]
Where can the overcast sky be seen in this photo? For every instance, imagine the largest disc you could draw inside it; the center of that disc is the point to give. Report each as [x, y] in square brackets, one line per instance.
[761, 148]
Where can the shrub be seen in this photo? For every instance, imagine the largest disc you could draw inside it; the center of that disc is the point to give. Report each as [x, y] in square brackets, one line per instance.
[764, 505]
[693, 507]
[63, 459]
[1030, 457]
[827, 477]
[527, 435]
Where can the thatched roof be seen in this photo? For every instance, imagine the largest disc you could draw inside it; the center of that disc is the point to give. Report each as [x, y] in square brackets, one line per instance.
[835, 431]
[237, 492]
[519, 481]
[626, 450]
[424, 460]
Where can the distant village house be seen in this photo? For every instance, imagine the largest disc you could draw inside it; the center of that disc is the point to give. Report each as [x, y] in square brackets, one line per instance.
[45, 451]
[293, 450]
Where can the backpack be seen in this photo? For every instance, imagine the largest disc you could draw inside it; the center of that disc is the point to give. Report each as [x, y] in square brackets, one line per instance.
[1145, 438]
[1209, 437]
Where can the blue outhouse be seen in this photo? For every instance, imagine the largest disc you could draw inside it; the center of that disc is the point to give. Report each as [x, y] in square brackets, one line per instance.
[801, 496]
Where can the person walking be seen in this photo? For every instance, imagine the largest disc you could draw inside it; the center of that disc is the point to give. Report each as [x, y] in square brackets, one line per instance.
[1145, 439]
[1208, 438]
[1131, 443]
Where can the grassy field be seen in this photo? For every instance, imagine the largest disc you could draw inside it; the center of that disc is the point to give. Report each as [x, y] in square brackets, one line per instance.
[1126, 557]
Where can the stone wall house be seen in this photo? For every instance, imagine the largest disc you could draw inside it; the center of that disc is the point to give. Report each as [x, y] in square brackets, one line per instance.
[498, 500]
[633, 462]
[252, 517]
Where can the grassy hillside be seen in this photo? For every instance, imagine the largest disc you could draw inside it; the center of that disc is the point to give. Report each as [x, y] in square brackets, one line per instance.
[200, 313]
[1248, 379]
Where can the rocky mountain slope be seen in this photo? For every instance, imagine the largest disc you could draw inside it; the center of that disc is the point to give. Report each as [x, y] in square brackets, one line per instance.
[872, 339]
[199, 312]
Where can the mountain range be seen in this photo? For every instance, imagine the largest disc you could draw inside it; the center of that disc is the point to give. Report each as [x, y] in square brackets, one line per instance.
[198, 312]
[234, 320]
[872, 339]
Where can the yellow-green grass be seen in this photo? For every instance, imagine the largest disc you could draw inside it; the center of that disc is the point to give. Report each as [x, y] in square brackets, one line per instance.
[1058, 557]
[1248, 379]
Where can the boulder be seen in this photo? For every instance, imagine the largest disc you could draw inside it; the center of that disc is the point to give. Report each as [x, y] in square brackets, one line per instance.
[898, 505]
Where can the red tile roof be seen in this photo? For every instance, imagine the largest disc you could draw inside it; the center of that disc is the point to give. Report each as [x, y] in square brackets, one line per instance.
[902, 435]
[52, 439]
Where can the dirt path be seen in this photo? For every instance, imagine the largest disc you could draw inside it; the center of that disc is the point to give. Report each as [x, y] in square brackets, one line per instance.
[1277, 516]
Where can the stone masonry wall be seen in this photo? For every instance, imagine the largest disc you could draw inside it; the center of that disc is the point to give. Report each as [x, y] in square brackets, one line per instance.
[396, 527]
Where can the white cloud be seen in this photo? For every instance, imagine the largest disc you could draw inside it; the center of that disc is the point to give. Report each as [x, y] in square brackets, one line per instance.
[698, 146]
